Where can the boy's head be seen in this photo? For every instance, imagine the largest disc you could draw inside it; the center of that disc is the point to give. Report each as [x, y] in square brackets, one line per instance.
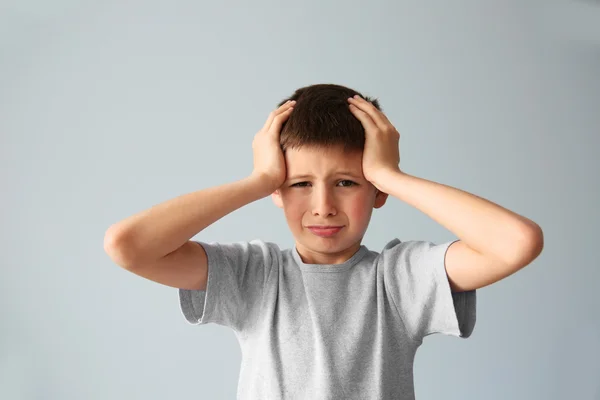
[321, 118]
[323, 144]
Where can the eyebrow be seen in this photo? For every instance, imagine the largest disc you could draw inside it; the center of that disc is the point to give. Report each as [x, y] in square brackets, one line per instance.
[348, 173]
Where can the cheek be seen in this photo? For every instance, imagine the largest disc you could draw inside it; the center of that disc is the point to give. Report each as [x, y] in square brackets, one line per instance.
[358, 212]
[359, 209]
[293, 206]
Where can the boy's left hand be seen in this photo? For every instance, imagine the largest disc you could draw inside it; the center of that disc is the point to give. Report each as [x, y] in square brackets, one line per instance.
[381, 151]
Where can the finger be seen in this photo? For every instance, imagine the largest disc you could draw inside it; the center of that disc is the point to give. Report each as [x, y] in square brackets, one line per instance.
[366, 106]
[278, 121]
[364, 118]
[274, 113]
[284, 107]
[378, 117]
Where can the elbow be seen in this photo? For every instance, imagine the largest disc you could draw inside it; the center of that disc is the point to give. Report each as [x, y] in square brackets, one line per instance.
[536, 240]
[115, 246]
[531, 244]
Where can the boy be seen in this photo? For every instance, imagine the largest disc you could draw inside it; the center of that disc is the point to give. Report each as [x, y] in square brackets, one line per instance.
[328, 319]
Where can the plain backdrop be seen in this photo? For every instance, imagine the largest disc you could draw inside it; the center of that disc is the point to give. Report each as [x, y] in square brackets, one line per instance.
[108, 108]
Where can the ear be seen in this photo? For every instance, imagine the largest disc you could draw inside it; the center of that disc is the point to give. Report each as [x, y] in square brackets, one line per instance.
[380, 198]
[276, 196]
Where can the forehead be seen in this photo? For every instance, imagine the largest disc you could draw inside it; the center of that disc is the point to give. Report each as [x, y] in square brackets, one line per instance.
[322, 162]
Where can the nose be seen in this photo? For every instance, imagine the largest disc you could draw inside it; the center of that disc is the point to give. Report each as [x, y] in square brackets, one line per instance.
[323, 202]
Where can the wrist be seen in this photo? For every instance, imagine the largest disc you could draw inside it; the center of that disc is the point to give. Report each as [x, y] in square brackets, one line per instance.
[262, 183]
[383, 177]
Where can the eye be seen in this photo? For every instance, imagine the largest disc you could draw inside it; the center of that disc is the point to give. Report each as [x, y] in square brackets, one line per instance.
[348, 183]
[299, 184]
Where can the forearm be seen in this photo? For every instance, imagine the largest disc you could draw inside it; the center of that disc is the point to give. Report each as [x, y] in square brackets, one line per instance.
[165, 227]
[484, 226]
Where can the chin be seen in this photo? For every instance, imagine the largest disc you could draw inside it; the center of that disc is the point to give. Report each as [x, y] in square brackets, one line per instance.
[326, 245]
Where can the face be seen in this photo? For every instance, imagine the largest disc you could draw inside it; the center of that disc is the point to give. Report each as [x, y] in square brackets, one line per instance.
[326, 187]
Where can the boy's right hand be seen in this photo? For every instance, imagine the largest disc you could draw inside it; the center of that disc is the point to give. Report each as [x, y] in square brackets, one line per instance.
[269, 162]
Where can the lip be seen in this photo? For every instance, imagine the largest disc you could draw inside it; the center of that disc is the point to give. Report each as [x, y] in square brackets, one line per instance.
[324, 230]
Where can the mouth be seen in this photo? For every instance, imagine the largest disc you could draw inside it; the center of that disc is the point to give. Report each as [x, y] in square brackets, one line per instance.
[324, 230]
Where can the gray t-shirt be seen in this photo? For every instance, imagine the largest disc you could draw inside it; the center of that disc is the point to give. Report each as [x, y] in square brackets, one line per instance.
[344, 331]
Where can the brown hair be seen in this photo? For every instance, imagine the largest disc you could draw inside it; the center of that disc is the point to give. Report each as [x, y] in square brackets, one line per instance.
[321, 119]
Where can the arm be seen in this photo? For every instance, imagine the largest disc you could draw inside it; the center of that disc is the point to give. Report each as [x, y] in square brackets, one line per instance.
[164, 228]
[494, 242]
[158, 239]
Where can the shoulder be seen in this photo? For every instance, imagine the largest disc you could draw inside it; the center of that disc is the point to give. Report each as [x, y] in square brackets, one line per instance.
[413, 253]
[396, 246]
[253, 245]
[244, 251]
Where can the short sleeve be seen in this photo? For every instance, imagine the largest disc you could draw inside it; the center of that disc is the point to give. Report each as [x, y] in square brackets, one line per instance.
[237, 273]
[416, 280]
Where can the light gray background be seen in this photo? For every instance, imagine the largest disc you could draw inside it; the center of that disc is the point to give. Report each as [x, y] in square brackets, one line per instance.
[109, 108]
